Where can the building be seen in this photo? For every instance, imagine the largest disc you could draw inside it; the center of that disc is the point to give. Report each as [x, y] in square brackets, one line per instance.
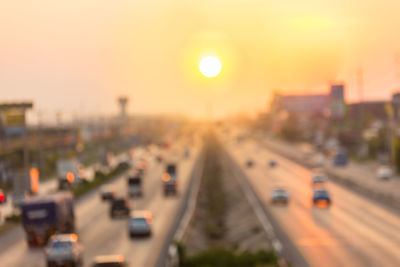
[377, 110]
[312, 104]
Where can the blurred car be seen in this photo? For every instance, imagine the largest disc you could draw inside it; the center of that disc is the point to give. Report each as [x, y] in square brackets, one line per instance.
[321, 196]
[279, 195]
[120, 207]
[124, 164]
[107, 192]
[140, 223]
[169, 179]
[384, 172]
[340, 159]
[159, 158]
[249, 163]
[186, 153]
[135, 185]
[272, 163]
[109, 261]
[142, 167]
[318, 178]
[64, 250]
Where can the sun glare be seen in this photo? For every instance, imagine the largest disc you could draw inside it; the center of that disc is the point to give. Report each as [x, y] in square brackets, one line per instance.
[210, 66]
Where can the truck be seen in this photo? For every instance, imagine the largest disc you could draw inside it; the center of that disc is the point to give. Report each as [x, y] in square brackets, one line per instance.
[71, 172]
[169, 179]
[44, 216]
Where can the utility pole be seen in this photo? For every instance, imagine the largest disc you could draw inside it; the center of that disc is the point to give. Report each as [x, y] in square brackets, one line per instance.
[40, 141]
[59, 141]
[360, 86]
[397, 68]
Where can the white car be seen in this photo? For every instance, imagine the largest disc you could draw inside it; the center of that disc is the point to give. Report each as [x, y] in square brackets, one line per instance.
[384, 172]
[64, 249]
[279, 195]
[140, 223]
[318, 178]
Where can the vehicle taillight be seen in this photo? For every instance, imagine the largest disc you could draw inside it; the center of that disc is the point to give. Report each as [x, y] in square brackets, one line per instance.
[2, 198]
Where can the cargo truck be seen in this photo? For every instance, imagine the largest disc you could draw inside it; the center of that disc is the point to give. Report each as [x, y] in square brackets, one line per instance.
[43, 216]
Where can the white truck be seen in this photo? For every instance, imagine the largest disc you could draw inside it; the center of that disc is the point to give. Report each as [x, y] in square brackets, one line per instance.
[70, 172]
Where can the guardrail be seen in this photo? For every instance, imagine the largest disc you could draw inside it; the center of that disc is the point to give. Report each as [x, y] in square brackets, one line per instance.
[183, 217]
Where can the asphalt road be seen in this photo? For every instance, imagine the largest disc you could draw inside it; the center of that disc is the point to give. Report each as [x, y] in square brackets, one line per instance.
[354, 231]
[102, 235]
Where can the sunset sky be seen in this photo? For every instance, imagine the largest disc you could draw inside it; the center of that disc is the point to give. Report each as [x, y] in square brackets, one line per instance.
[78, 56]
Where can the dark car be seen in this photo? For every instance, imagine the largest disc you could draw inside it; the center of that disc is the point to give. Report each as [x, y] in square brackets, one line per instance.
[107, 192]
[321, 196]
[249, 163]
[169, 179]
[340, 159]
[272, 163]
[120, 208]
[135, 186]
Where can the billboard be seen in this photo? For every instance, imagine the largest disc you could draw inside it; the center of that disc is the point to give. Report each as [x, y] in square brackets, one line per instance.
[12, 116]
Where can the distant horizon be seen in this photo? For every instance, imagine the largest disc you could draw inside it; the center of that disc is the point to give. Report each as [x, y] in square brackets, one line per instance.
[79, 56]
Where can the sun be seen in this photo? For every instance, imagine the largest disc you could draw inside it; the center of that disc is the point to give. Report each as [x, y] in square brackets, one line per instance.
[210, 66]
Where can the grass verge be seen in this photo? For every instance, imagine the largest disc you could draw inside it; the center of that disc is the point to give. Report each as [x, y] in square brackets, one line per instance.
[99, 179]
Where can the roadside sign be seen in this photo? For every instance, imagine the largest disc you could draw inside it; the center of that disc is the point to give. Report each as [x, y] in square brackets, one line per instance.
[34, 180]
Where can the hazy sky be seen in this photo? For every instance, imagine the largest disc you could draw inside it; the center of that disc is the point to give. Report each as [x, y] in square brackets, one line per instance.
[77, 56]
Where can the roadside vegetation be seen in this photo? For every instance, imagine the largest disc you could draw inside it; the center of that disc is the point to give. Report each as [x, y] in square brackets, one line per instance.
[99, 179]
[222, 229]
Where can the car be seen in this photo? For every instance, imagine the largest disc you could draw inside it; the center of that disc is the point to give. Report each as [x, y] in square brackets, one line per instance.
[135, 185]
[64, 250]
[340, 159]
[279, 195]
[159, 158]
[186, 153]
[321, 196]
[124, 164]
[169, 179]
[107, 192]
[318, 179]
[109, 261]
[140, 223]
[120, 207]
[272, 163]
[384, 172]
[249, 163]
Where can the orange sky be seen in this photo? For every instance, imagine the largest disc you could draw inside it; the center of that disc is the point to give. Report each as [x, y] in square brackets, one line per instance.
[77, 56]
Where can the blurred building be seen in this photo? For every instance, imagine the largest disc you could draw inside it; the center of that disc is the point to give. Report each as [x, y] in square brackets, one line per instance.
[331, 104]
[375, 110]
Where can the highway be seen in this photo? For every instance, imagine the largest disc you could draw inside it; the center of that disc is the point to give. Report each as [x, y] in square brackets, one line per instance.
[354, 231]
[102, 235]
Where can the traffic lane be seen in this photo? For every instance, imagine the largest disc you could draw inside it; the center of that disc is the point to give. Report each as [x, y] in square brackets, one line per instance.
[111, 236]
[352, 210]
[305, 234]
[383, 215]
[17, 253]
[98, 233]
[354, 228]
